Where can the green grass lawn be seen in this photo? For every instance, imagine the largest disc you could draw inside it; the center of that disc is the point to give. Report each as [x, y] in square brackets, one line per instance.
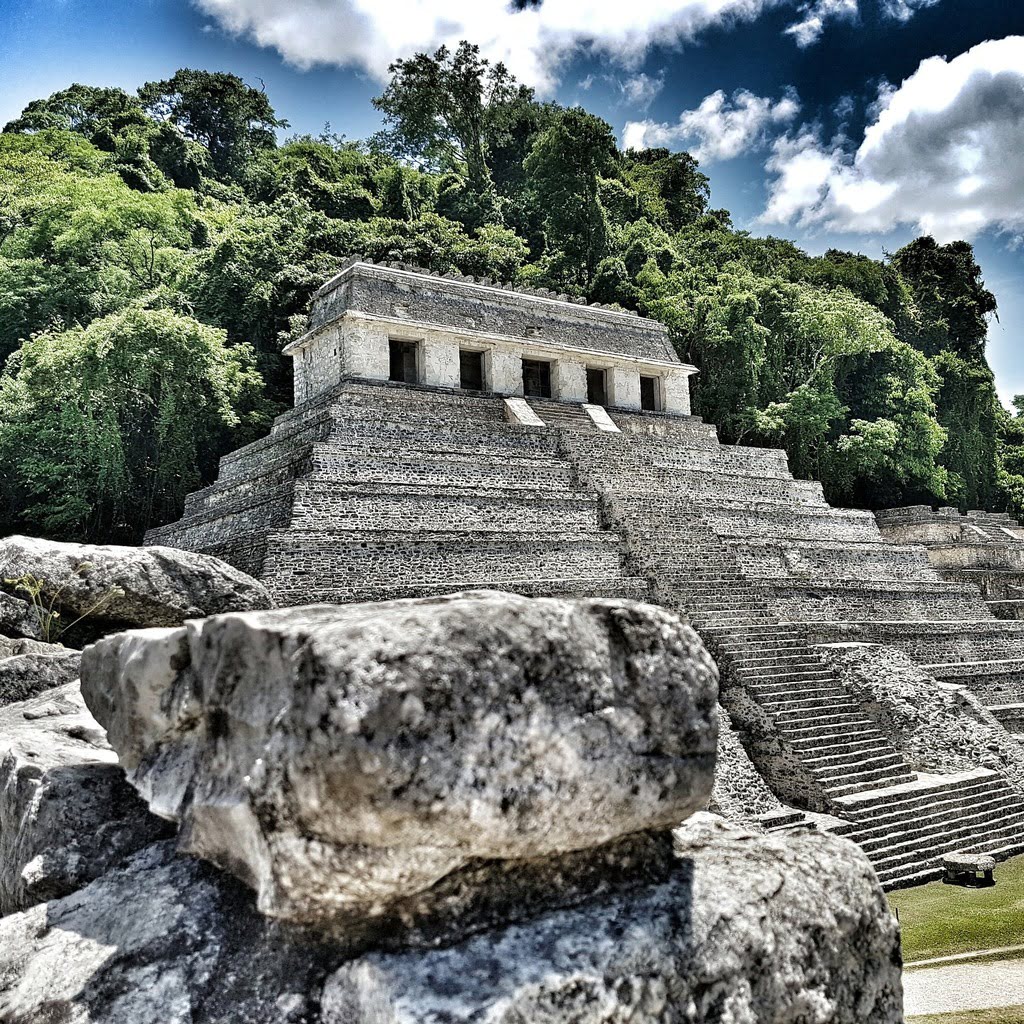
[1012, 1015]
[942, 920]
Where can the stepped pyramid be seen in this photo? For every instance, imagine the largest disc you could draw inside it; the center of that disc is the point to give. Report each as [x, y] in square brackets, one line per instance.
[454, 433]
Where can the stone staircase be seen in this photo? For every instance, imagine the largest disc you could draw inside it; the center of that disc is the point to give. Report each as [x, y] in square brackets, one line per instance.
[747, 573]
[563, 415]
[905, 828]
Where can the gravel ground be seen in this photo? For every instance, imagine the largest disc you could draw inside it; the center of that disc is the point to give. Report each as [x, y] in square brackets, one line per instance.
[963, 987]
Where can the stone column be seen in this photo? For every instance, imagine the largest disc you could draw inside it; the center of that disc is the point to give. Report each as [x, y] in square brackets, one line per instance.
[506, 372]
[569, 383]
[625, 388]
[441, 362]
[677, 393]
[366, 351]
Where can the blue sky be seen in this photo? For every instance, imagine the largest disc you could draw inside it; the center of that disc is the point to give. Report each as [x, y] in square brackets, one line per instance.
[850, 123]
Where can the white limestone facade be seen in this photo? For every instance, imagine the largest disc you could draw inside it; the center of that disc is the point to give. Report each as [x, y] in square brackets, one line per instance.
[361, 315]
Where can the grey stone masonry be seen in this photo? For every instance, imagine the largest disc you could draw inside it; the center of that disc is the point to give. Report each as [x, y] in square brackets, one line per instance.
[984, 550]
[381, 322]
[386, 491]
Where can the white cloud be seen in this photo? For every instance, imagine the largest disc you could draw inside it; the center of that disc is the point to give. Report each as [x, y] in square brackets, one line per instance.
[534, 42]
[815, 15]
[720, 128]
[942, 154]
[639, 90]
[904, 10]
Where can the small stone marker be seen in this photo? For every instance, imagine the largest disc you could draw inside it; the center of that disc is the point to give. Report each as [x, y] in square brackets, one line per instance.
[964, 868]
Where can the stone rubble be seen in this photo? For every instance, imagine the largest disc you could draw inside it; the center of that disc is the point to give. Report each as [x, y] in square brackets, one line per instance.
[130, 586]
[938, 727]
[67, 814]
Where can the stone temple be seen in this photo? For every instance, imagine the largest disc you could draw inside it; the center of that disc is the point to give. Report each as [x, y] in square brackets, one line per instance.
[454, 433]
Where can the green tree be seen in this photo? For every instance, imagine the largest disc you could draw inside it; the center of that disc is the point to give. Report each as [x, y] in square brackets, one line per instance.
[146, 153]
[442, 110]
[671, 190]
[105, 429]
[78, 242]
[395, 202]
[969, 410]
[233, 121]
[946, 283]
[564, 167]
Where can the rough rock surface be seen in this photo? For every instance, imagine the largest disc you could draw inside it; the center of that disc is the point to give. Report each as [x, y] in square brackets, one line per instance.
[936, 726]
[741, 793]
[777, 762]
[163, 940]
[153, 586]
[67, 814]
[340, 759]
[17, 617]
[39, 668]
[748, 929]
[11, 646]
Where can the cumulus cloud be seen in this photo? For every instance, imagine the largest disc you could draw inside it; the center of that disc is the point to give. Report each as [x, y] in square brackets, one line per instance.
[942, 154]
[814, 17]
[720, 128]
[532, 39]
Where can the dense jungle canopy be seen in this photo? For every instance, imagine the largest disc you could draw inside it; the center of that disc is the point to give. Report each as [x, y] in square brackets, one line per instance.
[158, 250]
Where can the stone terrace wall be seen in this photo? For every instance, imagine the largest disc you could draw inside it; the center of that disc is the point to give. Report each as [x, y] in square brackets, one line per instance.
[384, 490]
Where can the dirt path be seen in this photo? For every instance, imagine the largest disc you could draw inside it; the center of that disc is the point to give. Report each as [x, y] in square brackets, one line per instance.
[963, 987]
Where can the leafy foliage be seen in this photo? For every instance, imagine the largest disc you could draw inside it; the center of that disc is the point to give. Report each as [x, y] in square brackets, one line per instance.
[158, 250]
[106, 426]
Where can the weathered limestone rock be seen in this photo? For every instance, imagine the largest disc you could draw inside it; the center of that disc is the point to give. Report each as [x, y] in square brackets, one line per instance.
[133, 586]
[343, 759]
[165, 939]
[17, 617]
[36, 669]
[11, 646]
[741, 793]
[748, 929]
[67, 814]
[938, 727]
[745, 930]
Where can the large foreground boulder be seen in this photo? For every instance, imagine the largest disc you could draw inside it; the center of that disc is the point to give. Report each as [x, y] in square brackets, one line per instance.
[745, 930]
[344, 759]
[67, 814]
[770, 930]
[154, 586]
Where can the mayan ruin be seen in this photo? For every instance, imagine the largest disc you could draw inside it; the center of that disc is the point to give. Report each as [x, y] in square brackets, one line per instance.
[511, 512]
[551, 467]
